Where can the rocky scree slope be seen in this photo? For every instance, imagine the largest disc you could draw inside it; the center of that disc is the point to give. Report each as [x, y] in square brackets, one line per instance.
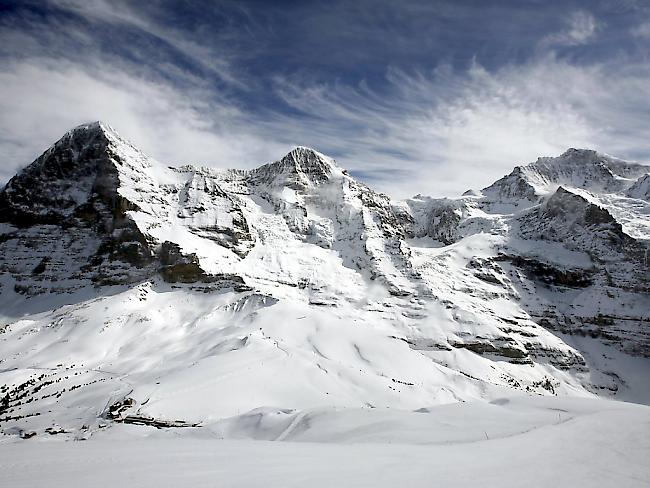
[174, 297]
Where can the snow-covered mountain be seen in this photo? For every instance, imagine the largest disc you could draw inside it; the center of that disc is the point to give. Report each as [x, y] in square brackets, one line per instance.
[136, 293]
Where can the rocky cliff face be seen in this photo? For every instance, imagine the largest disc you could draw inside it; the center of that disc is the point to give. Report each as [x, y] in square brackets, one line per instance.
[69, 216]
[641, 188]
[65, 220]
[616, 269]
[189, 279]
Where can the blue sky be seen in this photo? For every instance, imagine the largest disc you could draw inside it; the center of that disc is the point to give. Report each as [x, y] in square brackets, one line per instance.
[431, 97]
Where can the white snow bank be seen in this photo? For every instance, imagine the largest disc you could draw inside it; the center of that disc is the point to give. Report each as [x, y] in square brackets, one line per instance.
[533, 442]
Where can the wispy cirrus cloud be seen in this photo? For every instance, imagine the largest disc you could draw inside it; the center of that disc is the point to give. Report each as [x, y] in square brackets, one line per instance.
[208, 56]
[450, 130]
[41, 99]
[58, 73]
[580, 28]
[188, 95]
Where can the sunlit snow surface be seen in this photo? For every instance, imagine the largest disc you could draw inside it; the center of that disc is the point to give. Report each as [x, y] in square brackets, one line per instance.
[376, 342]
[533, 442]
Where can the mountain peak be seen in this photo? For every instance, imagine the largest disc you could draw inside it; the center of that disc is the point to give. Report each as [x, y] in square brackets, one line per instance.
[305, 157]
[96, 125]
[299, 168]
[579, 152]
[577, 168]
[88, 160]
[91, 129]
[306, 149]
[97, 128]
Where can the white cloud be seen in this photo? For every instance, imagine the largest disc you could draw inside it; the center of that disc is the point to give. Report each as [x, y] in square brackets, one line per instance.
[436, 133]
[450, 131]
[41, 99]
[581, 27]
[121, 12]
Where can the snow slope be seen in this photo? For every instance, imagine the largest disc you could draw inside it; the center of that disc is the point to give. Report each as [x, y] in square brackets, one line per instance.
[532, 442]
[133, 294]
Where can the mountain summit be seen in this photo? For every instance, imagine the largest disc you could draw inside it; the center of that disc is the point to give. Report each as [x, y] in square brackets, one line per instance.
[300, 168]
[578, 168]
[137, 293]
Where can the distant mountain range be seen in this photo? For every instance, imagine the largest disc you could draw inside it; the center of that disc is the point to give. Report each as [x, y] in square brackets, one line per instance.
[132, 292]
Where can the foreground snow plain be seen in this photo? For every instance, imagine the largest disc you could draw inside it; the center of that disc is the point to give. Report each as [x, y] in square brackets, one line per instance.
[509, 442]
